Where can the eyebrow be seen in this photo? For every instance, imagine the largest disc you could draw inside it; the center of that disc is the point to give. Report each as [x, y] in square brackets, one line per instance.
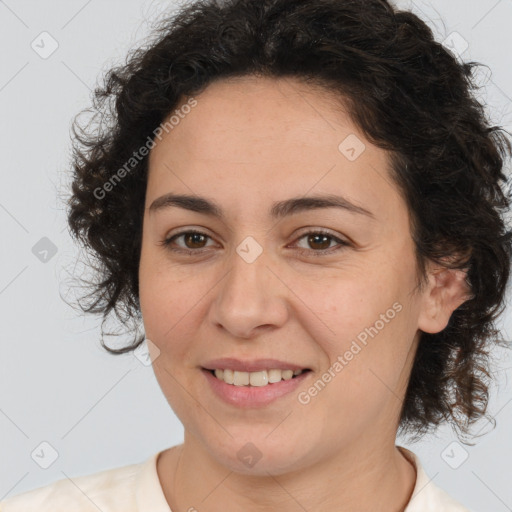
[279, 209]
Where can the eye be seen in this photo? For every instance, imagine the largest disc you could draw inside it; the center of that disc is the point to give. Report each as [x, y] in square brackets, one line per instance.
[323, 239]
[195, 240]
[191, 237]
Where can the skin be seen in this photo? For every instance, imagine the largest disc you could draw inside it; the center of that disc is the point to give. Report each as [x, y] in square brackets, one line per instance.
[247, 143]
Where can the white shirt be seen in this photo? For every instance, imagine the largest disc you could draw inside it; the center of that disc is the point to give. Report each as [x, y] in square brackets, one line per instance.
[136, 488]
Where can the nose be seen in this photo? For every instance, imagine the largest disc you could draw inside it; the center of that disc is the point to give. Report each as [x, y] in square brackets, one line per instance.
[250, 298]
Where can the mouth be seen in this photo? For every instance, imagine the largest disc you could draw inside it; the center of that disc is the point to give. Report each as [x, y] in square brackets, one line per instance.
[250, 390]
[260, 378]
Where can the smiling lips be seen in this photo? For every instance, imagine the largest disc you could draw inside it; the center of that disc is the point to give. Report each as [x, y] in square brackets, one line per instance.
[255, 365]
[258, 372]
[253, 396]
[261, 378]
[254, 383]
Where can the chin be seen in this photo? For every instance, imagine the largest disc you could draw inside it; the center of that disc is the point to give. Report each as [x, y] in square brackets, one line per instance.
[260, 457]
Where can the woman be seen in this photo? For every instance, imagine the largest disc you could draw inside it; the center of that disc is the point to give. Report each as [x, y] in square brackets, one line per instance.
[304, 204]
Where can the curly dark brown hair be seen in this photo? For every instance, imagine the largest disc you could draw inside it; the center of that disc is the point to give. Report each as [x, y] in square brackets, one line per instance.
[405, 92]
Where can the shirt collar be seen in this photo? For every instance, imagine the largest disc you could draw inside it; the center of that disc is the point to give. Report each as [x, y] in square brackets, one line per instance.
[427, 496]
[149, 495]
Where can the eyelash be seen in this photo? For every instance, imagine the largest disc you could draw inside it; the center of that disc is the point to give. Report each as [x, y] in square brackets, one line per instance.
[310, 252]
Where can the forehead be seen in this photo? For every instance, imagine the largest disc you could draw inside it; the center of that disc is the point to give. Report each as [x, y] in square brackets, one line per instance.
[260, 136]
[256, 116]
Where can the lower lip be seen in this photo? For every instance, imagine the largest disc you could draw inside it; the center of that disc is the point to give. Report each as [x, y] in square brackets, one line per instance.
[253, 396]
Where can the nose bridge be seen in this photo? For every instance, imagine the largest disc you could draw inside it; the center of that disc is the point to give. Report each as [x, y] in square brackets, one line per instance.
[249, 296]
[248, 273]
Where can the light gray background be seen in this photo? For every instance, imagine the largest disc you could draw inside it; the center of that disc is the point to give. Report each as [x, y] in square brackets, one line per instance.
[58, 385]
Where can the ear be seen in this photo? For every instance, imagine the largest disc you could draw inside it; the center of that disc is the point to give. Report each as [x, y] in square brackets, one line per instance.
[447, 289]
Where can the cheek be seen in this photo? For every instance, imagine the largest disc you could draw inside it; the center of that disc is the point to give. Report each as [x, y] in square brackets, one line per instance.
[168, 305]
[166, 295]
[350, 308]
[364, 380]
[365, 329]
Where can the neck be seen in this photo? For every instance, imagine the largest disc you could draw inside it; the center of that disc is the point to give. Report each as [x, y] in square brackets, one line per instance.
[367, 478]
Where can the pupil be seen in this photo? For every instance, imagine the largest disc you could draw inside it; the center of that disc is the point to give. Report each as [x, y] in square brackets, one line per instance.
[191, 236]
[325, 237]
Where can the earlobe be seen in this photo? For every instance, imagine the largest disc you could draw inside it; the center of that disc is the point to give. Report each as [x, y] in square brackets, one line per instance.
[447, 290]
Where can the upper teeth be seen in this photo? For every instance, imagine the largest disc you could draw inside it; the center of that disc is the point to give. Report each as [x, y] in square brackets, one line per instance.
[261, 378]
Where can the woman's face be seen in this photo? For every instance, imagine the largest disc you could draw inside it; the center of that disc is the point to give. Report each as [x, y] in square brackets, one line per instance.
[262, 283]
